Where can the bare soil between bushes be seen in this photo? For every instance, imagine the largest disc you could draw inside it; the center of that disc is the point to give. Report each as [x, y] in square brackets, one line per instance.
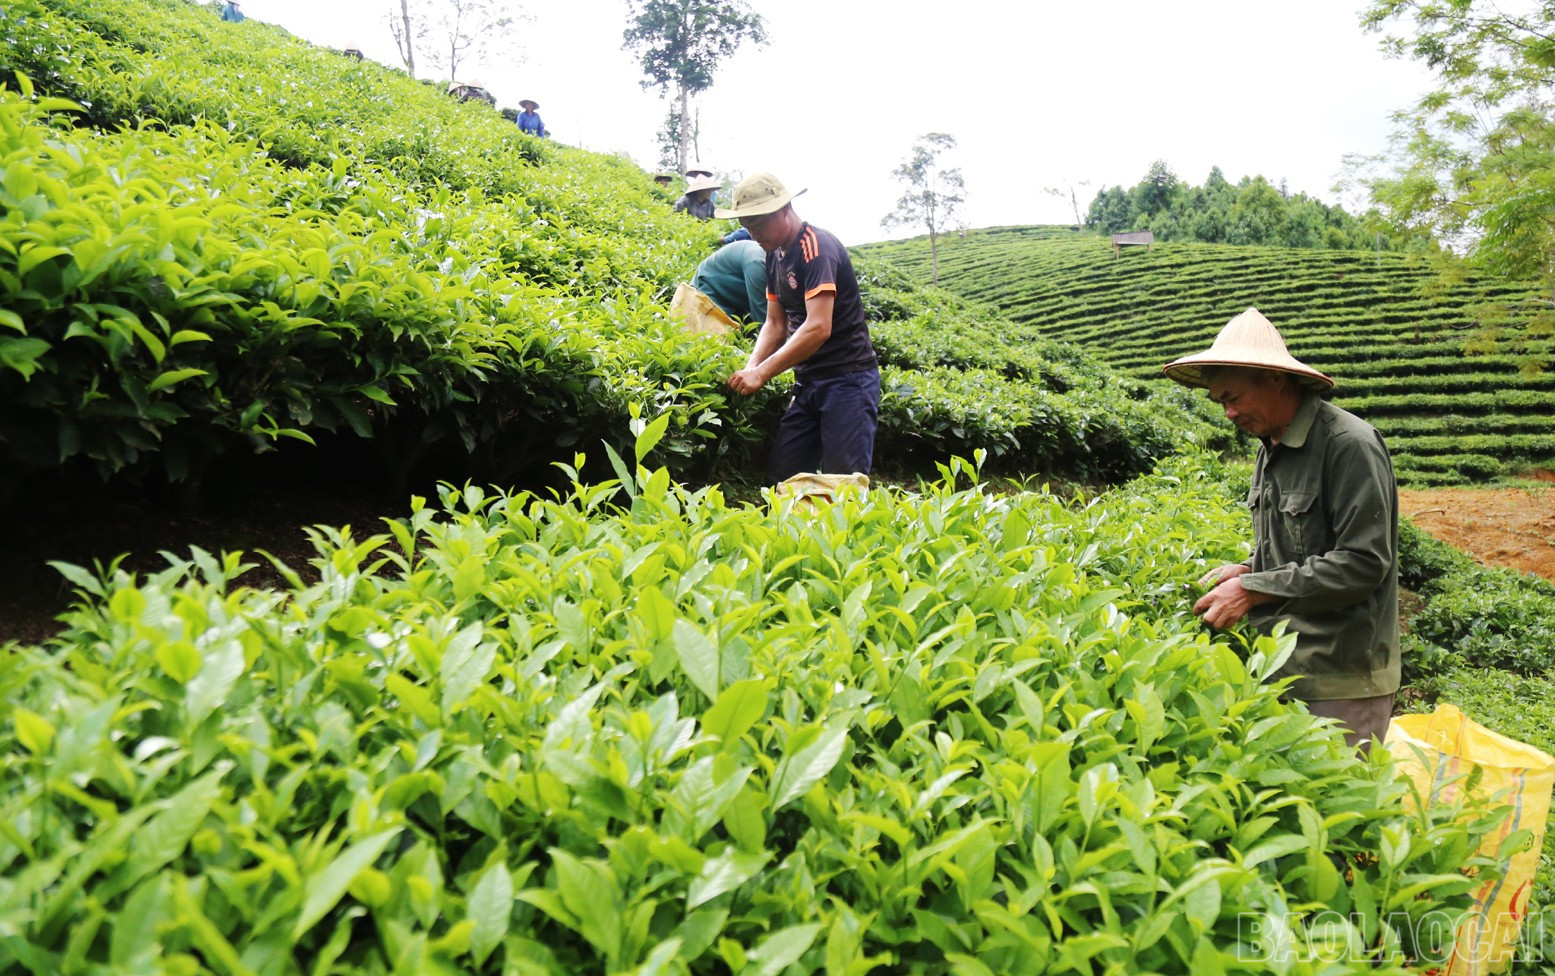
[1512, 527]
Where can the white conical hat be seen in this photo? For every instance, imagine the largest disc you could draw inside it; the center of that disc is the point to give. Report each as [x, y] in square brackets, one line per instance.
[1247, 340]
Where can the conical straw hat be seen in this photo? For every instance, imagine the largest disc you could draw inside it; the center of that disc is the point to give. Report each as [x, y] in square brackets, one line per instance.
[1247, 340]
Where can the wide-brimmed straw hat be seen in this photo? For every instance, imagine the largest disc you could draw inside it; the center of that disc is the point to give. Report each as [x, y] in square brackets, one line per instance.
[703, 183]
[528, 103]
[697, 169]
[1247, 340]
[757, 195]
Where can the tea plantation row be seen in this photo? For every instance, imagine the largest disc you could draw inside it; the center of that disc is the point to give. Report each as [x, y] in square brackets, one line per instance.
[937, 732]
[213, 236]
[1415, 356]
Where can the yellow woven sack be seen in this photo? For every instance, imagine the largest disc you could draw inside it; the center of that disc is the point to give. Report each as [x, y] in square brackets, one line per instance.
[700, 313]
[810, 489]
[1435, 751]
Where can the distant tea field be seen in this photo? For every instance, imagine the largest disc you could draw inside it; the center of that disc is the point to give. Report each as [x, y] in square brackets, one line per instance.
[1410, 351]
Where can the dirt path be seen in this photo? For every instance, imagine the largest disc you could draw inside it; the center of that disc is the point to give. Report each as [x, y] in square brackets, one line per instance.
[1497, 526]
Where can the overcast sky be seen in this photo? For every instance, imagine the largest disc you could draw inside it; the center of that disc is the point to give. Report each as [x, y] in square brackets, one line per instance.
[1037, 94]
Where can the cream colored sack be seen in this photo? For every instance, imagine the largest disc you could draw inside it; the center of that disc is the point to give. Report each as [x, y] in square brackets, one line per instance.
[809, 490]
[1435, 750]
[700, 313]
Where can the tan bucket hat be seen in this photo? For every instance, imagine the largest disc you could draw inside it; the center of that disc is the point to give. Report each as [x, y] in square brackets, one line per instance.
[1247, 340]
[757, 195]
[703, 183]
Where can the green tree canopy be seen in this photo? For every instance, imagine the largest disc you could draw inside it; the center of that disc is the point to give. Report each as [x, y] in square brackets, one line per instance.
[681, 43]
[1252, 211]
[1473, 162]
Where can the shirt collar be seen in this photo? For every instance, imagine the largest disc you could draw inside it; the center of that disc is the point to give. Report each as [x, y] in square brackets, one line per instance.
[1301, 424]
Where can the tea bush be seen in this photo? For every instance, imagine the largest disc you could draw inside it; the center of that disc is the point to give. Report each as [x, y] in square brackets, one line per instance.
[226, 236]
[1408, 351]
[934, 732]
[1473, 615]
[1491, 618]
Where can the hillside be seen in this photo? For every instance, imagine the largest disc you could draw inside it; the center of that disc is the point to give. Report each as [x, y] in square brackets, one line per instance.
[218, 239]
[1396, 338]
[623, 723]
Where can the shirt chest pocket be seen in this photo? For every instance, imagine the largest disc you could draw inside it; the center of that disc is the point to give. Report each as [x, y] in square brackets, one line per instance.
[1300, 524]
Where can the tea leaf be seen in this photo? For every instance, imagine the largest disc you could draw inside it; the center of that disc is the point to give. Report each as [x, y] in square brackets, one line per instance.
[699, 658]
[491, 909]
[802, 770]
[737, 708]
[723, 873]
[33, 731]
[781, 949]
[326, 887]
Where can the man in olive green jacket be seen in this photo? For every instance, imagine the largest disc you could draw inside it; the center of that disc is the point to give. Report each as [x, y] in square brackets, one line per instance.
[1325, 527]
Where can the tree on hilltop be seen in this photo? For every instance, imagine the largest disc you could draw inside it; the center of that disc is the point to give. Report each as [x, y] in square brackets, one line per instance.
[405, 29]
[1069, 189]
[1155, 192]
[1473, 162]
[1253, 211]
[681, 43]
[453, 33]
[932, 195]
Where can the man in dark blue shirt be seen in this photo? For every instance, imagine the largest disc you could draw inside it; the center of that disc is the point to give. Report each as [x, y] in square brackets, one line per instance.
[230, 12]
[529, 119]
[815, 326]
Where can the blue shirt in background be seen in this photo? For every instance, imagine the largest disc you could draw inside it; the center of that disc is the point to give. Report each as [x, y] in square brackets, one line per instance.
[529, 122]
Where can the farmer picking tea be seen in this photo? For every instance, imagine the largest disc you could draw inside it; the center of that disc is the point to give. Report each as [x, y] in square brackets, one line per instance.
[814, 326]
[1325, 527]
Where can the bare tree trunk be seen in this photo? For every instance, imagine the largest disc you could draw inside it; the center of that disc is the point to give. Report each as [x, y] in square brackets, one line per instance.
[407, 52]
[696, 136]
[933, 224]
[683, 136]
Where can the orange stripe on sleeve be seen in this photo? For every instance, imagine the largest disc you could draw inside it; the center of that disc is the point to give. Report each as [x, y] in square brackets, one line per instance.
[771, 297]
[828, 286]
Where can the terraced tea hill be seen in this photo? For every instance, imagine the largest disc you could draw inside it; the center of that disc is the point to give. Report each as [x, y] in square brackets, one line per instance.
[1407, 350]
[214, 236]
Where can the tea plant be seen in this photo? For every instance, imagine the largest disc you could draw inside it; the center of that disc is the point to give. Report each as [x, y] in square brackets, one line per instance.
[1408, 352]
[934, 732]
[226, 237]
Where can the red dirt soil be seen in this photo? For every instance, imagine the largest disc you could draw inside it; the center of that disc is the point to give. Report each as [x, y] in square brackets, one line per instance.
[1497, 526]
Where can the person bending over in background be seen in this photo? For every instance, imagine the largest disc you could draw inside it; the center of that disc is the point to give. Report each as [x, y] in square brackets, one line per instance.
[1325, 528]
[814, 324]
[698, 198]
[735, 278]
